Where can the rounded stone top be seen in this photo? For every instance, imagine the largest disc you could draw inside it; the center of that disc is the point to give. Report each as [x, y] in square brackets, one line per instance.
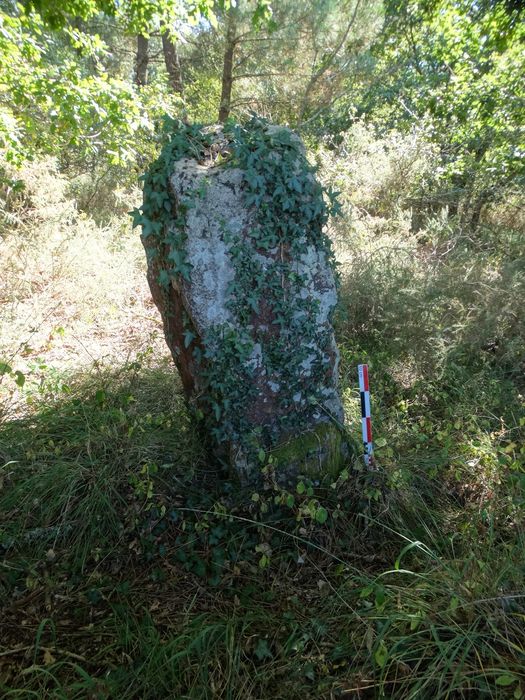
[221, 142]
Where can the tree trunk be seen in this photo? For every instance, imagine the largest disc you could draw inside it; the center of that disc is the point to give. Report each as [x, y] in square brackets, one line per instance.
[141, 61]
[171, 59]
[326, 63]
[475, 216]
[227, 70]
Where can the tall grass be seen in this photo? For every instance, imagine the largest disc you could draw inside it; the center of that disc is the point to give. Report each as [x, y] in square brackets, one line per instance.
[131, 566]
[403, 594]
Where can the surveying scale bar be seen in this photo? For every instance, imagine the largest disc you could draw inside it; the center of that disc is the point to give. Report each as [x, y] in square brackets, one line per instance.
[366, 416]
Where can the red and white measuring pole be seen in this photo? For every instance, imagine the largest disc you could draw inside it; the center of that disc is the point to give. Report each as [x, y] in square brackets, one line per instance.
[366, 416]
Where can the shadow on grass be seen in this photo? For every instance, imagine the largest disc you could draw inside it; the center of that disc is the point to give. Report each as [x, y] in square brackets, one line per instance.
[87, 449]
[131, 569]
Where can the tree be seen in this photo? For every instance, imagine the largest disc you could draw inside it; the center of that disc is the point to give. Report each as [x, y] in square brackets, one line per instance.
[227, 66]
[456, 67]
[288, 62]
[57, 92]
[142, 59]
[171, 59]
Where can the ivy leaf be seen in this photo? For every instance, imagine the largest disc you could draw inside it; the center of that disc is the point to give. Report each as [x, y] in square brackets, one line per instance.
[136, 216]
[184, 270]
[262, 650]
[381, 655]
[505, 679]
[321, 515]
[188, 337]
[164, 278]
[151, 254]
[150, 227]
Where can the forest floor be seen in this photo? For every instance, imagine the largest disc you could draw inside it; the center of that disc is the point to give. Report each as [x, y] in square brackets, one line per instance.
[132, 567]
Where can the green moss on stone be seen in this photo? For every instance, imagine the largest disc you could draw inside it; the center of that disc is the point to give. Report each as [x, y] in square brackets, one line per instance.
[319, 451]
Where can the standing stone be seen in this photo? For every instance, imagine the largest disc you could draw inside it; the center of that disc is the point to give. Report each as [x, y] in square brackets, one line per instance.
[241, 271]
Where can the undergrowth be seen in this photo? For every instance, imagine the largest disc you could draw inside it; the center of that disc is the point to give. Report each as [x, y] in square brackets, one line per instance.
[71, 291]
[131, 566]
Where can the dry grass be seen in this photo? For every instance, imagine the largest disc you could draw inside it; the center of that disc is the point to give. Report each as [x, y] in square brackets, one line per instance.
[71, 292]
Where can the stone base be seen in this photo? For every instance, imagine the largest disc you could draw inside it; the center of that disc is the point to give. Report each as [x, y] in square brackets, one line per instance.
[314, 454]
[322, 451]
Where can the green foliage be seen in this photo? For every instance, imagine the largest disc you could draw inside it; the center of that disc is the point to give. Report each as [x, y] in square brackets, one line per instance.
[171, 581]
[155, 214]
[291, 60]
[139, 16]
[456, 67]
[50, 103]
[158, 574]
[16, 375]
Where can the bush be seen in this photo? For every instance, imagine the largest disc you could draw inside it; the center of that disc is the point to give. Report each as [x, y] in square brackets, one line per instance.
[437, 289]
[380, 178]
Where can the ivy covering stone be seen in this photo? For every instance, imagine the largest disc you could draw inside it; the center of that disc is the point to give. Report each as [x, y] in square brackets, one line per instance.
[240, 266]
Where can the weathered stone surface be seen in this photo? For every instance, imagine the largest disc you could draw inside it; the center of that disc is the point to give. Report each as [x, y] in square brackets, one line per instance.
[249, 326]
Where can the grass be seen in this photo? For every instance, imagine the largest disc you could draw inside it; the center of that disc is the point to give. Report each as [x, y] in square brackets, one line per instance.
[131, 566]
